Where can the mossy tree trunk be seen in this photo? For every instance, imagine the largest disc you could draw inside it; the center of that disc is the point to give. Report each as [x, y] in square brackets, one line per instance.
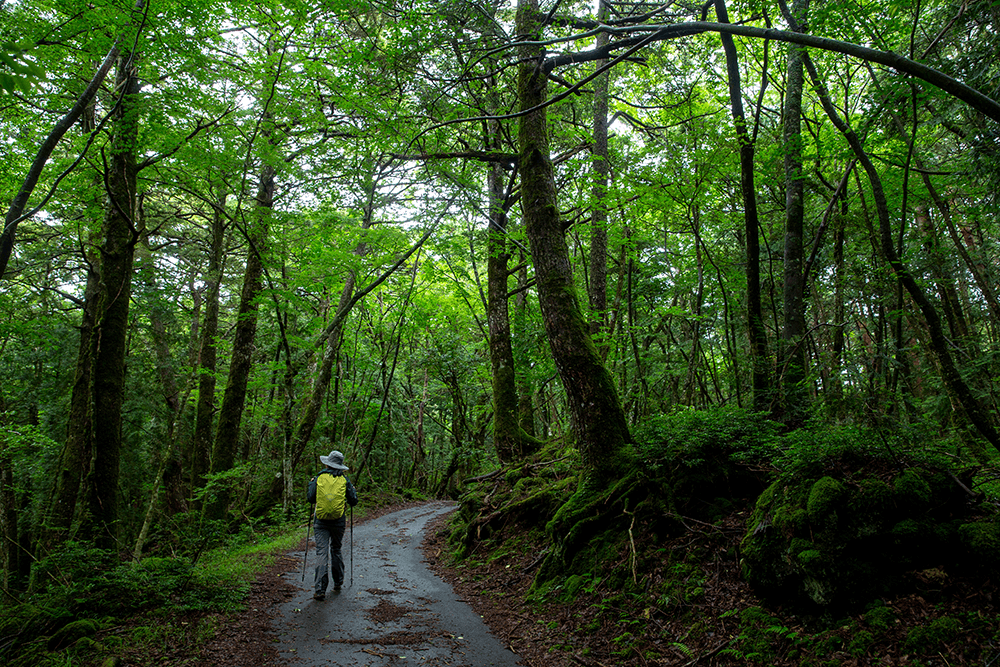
[111, 333]
[506, 431]
[597, 290]
[599, 423]
[74, 459]
[8, 523]
[522, 382]
[793, 357]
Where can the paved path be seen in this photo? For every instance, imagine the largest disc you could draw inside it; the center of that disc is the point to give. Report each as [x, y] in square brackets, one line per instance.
[397, 612]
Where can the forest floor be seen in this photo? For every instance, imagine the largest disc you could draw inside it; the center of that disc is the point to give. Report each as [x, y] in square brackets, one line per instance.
[940, 621]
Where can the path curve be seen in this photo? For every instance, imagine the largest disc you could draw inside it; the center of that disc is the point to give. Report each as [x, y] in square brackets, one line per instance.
[396, 612]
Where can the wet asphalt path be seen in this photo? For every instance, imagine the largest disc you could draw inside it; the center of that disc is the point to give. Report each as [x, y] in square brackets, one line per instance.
[397, 612]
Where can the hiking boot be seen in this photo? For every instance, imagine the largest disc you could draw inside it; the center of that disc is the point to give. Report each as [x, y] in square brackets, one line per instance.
[319, 597]
[336, 588]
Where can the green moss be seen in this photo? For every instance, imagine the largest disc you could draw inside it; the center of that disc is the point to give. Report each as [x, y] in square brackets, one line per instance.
[757, 637]
[573, 584]
[799, 545]
[790, 520]
[525, 486]
[84, 646]
[70, 633]
[825, 497]
[811, 559]
[880, 617]
[982, 540]
[931, 637]
[860, 643]
[515, 475]
[767, 496]
[912, 490]
[873, 497]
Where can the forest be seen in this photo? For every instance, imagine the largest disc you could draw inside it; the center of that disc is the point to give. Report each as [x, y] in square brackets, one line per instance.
[636, 263]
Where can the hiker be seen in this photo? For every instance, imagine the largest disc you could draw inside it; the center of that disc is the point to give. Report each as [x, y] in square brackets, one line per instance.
[331, 492]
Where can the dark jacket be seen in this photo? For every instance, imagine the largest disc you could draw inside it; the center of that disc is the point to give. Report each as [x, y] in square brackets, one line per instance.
[351, 493]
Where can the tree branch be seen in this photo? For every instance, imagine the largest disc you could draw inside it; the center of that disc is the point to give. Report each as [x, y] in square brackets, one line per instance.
[967, 94]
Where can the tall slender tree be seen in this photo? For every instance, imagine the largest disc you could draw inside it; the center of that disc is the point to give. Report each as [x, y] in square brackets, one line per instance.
[112, 326]
[599, 424]
[793, 353]
[761, 366]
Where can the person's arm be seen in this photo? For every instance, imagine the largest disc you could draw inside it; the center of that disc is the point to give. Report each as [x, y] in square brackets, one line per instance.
[351, 493]
[311, 493]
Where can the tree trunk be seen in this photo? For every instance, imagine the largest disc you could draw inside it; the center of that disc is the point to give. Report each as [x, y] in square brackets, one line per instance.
[792, 362]
[523, 385]
[419, 446]
[599, 422]
[944, 279]
[111, 334]
[506, 432]
[172, 395]
[8, 523]
[201, 446]
[601, 165]
[75, 457]
[762, 398]
[696, 308]
[839, 310]
[231, 413]
[459, 429]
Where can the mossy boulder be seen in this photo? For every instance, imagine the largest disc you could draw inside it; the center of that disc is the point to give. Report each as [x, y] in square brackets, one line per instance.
[71, 633]
[981, 543]
[25, 630]
[838, 540]
[826, 496]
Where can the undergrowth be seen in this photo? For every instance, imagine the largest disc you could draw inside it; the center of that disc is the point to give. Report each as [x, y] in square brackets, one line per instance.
[89, 605]
[658, 580]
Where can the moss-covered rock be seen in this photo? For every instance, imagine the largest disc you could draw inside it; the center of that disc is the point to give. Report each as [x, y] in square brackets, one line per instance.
[826, 497]
[25, 632]
[981, 540]
[70, 633]
[840, 539]
[912, 490]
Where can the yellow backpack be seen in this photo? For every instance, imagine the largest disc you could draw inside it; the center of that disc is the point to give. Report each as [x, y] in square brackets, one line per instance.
[331, 496]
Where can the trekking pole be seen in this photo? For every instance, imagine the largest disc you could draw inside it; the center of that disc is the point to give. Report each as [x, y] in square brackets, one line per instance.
[305, 559]
[352, 547]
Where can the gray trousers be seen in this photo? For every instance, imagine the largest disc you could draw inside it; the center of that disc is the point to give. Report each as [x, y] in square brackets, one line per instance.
[329, 537]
